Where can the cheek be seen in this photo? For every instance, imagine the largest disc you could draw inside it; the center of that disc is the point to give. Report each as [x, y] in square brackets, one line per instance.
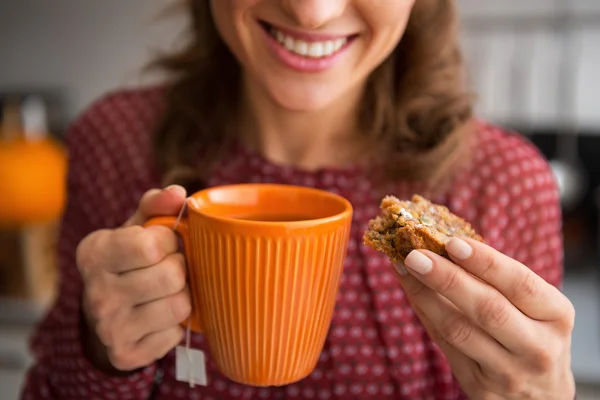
[222, 14]
[386, 19]
[228, 17]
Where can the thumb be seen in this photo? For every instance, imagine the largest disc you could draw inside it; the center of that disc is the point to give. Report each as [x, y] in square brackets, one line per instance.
[157, 202]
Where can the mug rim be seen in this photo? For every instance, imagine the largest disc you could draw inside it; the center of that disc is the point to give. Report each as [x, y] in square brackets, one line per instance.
[347, 211]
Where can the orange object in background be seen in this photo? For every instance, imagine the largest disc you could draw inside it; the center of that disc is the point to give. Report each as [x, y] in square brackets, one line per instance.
[264, 265]
[33, 168]
[32, 181]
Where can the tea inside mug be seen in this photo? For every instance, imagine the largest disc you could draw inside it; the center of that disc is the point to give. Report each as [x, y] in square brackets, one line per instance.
[269, 203]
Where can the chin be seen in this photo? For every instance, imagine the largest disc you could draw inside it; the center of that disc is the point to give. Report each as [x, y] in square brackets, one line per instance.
[302, 104]
[304, 100]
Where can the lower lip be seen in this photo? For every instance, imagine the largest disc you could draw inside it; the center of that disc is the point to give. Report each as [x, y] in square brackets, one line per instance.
[305, 64]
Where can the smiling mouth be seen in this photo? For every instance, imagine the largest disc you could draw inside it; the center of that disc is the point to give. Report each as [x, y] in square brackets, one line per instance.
[307, 48]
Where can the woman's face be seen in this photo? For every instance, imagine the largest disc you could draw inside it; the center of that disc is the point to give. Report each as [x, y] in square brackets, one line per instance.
[307, 54]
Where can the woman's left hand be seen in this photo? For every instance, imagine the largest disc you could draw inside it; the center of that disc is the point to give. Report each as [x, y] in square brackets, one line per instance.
[505, 331]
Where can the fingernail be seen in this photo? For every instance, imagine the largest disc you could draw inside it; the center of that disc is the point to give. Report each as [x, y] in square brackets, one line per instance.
[400, 268]
[419, 262]
[458, 248]
[178, 190]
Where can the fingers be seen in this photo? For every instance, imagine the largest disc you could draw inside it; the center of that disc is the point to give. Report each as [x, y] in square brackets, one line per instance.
[461, 365]
[135, 247]
[521, 286]
[453, 327]
[135, 294]
[158, 315]
[157, 202]
[134, 324]
[166, 278]
[479, 302]
[149, 349]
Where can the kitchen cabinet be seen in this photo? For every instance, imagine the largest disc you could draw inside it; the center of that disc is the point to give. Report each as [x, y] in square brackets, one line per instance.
[514, 52]
[17, 321]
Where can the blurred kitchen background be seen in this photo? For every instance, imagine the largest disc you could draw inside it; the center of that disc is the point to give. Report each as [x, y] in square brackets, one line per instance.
[535, 65]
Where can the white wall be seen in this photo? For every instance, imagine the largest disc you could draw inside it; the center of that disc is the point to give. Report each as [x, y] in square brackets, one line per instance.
[537, 54]
[85, 47]
[89, 47]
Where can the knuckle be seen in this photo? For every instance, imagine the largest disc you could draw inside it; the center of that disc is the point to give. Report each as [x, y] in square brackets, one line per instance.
[123, 360]
[146, 357]
[85, 254]
[172, 338]
[489, 267]
[172, 277]
[478, 382]
[82, 255]
[147, 246]
[493, 312]
[98, 303]
[179, 307]
[456, 330]
[528, 288]
[510, 381]
[514, 385]
[542, 360]
[451, 282]
[504, 379]
[504, 376]
[568, 317]
[105, 333]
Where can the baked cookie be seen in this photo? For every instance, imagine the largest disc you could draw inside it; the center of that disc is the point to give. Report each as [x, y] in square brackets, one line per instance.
[418, 224]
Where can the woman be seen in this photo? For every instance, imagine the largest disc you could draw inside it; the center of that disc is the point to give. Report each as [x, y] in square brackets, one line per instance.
[360, 97]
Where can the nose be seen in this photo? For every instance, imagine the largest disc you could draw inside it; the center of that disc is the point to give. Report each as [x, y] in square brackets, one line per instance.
[313, 14]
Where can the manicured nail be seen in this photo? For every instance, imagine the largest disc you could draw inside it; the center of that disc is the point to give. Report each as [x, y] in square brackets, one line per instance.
[458, 248]
[419, 262]
[400, 268]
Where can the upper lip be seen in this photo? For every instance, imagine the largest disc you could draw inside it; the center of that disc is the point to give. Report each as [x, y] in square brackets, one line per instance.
[309, 36]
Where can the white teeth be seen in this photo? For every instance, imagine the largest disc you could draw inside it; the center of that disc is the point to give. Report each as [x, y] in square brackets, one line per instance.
[288, 42]
[340, 43]
[316, 50]
[313, 49]
[301, 47]
[280, 36]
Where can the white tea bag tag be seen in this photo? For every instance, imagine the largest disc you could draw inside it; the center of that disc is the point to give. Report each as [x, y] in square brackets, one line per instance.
[190, 366]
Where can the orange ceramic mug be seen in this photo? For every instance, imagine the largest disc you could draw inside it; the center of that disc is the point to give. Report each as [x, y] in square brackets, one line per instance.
[264, 263]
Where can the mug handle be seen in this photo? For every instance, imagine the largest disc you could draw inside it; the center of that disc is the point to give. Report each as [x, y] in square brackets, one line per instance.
[182, 229]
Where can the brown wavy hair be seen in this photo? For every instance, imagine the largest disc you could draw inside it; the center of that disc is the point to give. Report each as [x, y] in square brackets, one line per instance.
[416, 109]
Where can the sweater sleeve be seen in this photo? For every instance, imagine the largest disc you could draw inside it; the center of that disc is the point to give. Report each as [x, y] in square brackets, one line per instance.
[61, 369]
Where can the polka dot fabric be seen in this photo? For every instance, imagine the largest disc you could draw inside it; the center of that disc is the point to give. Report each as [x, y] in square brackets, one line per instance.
[376, 348]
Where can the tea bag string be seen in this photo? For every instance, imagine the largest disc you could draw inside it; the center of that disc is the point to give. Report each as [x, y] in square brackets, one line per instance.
[188, 329]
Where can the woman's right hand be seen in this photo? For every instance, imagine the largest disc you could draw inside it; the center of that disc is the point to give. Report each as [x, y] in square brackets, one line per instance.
[135, 293]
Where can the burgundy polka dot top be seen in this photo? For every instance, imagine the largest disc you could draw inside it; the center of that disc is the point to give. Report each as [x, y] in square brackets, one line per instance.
[376, 348]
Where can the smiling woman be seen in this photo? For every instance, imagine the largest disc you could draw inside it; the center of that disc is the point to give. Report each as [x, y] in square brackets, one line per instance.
[402, 77]
[358, 97]
[306, 52]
